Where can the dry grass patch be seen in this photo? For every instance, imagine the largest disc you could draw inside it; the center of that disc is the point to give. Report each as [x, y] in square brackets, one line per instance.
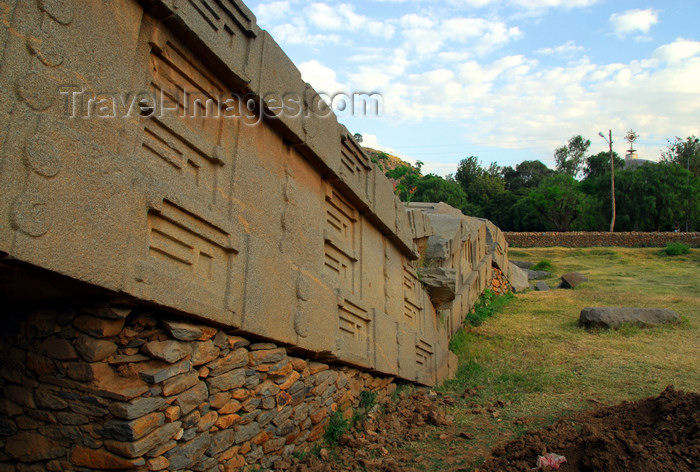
[535, 359]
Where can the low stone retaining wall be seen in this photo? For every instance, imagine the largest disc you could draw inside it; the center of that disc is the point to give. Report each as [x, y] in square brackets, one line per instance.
[588, 239]
[105, 386]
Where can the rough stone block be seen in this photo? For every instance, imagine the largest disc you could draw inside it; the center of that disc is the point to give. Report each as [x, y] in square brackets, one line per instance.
[192, 398]
[189, 332]
[101, 459]
[227, 381]
[612, 317]
[99, 327]
[158, 375]
[32, 447]
[94, 350]
[188, 454]
[138, 448]
[168, 351]
[180, 383]
[135, 429]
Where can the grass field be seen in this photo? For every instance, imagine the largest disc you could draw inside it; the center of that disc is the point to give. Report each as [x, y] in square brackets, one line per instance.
[531, 363]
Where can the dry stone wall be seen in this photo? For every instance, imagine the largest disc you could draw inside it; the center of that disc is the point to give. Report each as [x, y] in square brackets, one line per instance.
[589, 239]
[104, 386]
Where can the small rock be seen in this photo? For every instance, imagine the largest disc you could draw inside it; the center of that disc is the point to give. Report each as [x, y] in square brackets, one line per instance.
[572, 280]
[541, 286]
[158, 463]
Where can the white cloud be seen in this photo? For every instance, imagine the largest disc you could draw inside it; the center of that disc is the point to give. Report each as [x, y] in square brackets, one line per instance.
[343, 18]
[566, 49]
[266, 13]
[543, 4]
[678, 50]
[440, 65]
[321, 78]
[426, 36]
[633, 21]
[296, 33]
[533, 5]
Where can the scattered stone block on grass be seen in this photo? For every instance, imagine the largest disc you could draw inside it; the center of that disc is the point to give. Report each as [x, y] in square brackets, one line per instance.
[572, 280]
[536, 274]
[522, 264]
[517, 278]
[541, 286]
[612, 317]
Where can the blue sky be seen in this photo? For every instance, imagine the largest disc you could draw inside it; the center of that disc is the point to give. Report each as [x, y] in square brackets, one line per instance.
[505, 80]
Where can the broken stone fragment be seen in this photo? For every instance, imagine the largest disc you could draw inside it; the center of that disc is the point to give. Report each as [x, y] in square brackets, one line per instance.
[189, 332]
[158, 375]
[572, 280]
[138, 448]
[94, 350]
[517, 278]
[168, 351]
[441, 284]
[136, 408]
[541, 286]
[99, 327]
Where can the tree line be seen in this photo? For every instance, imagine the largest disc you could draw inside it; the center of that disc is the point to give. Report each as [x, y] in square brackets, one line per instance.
[576, 196]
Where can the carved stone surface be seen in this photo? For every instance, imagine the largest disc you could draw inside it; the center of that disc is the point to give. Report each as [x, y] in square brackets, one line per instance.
[211, 180]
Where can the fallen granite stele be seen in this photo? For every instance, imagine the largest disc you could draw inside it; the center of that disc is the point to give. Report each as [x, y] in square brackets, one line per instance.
[613, 317]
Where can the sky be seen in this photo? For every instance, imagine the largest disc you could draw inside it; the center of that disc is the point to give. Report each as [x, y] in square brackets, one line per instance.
[504, 80]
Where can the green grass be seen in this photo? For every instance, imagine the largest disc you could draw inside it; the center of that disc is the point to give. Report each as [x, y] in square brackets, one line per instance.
[676, 249]
[531, 353]
[544, 264]
[337, 426]
[487, 306]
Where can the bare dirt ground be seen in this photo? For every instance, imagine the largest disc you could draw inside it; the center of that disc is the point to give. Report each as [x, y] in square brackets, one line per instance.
[649, 435]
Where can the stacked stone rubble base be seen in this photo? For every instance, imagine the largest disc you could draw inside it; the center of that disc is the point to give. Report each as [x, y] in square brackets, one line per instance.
[499, 283]
[102, 386]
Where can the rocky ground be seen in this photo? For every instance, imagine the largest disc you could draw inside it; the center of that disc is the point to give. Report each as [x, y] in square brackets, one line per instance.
[649, 435]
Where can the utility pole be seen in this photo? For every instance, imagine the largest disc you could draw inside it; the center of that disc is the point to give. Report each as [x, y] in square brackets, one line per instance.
[612, 177]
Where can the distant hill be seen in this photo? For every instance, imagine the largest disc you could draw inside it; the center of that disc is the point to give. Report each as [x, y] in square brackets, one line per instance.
[384, 160]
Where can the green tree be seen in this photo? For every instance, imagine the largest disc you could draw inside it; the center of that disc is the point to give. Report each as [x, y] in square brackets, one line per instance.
[468, 171]
[479, 184]
[558, 201]
[433, 188]
[685, 153]
[599, 164]
[526, 175]
[655, 197]
[571, 158]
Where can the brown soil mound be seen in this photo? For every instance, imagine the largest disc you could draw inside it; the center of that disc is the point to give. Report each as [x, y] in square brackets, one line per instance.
[650, 435]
